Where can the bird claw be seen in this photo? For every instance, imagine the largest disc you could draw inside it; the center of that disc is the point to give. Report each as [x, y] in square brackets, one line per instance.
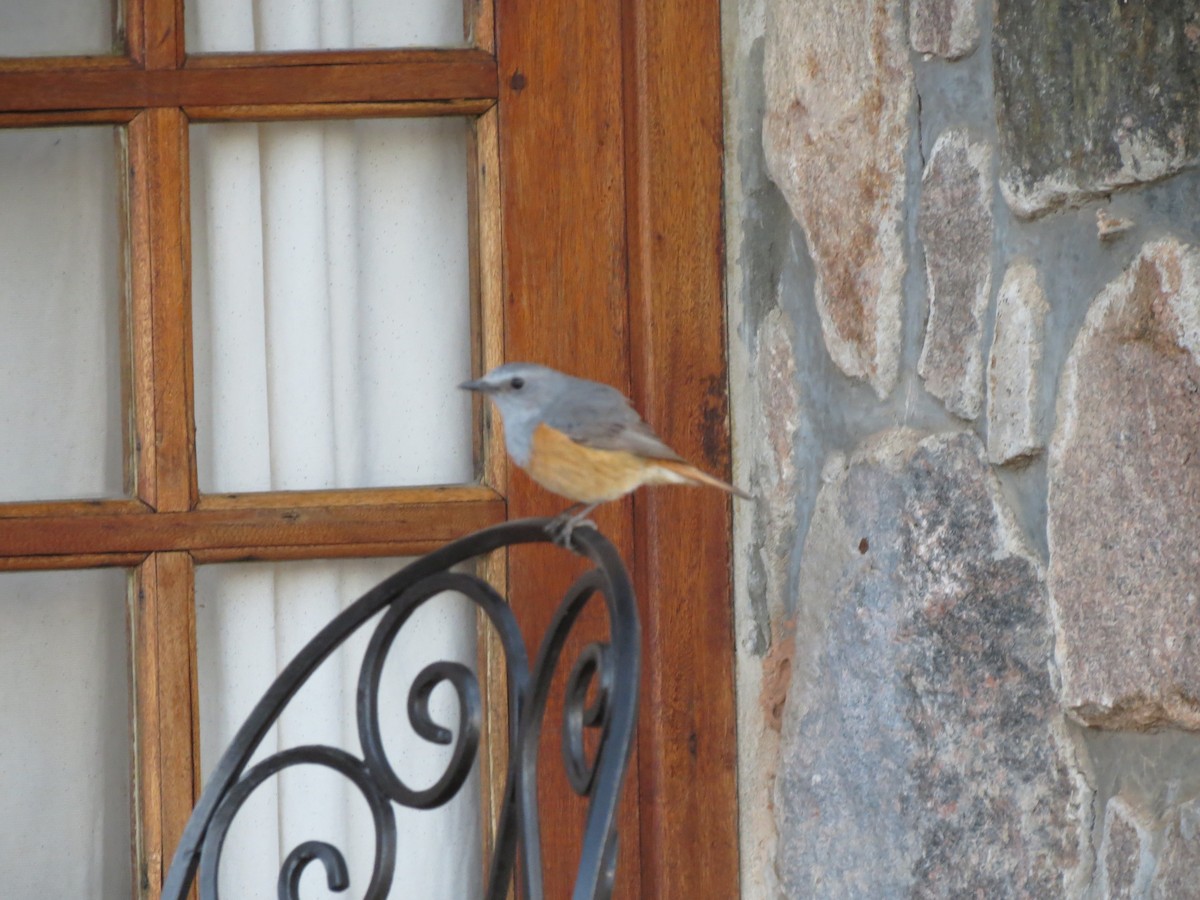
[561, 527]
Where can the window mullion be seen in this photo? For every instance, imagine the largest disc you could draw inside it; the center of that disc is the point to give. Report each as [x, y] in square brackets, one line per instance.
[166, 760]
[163, 32]
[163, 157]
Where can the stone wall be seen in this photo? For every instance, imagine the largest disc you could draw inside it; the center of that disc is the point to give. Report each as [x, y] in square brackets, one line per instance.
[964, 287]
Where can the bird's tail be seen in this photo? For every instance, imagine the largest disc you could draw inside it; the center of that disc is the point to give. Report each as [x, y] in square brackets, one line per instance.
[685, 472]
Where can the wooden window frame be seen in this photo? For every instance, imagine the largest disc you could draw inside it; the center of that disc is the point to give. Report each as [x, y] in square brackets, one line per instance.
[597, 165]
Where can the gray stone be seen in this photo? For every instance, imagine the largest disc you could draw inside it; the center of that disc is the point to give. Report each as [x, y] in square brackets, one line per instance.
[774, 413]
[1176, 877]
[1124, 852]
[1124, 500]
[1014, 366]
[777, 419]
[923, 750]
[955, 225]
[839, 87]
[946, 28]
[1093, 95]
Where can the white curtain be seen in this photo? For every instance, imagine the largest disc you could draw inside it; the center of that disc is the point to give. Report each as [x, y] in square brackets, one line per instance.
[331, 318]
[57, 27]
[266, 25]
[331, 325]
[252, 619]
[64, 684]
[64, 735]
[60, 292]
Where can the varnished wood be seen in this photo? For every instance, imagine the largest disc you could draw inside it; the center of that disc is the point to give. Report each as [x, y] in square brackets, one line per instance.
[561, 158]
[68, 64]
[131, 434]
[487, 350]
[418, 75]
[487, 289]
[149, 850]
[360, 550]
[63, 509]
[170, 313]
[309, 58]
[319, 111]
[357, 497]
[139, 336]
[493, 677]
[135, 30]
[77, 561]
[687, 750]
[178, 716]
[291, 529]
[480, 19]
[67, 117]
[165, 723]
[598, 252]
[163, 33]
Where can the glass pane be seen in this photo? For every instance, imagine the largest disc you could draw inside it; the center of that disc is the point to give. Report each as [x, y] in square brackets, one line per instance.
[61, 432]
[60, 27]
[268, 25]
[64, 735]
[251, 620]
[330, 295]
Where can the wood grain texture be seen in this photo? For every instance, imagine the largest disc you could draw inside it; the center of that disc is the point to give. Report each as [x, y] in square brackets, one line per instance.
[324, 111]
[290, 530]
[487, 350]
[44, 64]
[165, 727]
[139, 292]
[687, 747]
[414, 76]
[76, 561]
[166, 176]
[178, 699]
[405, 496]
[67, 117]
[134, 14]
[486, 253]
[561, 161]
[162, 33]
[147, 757]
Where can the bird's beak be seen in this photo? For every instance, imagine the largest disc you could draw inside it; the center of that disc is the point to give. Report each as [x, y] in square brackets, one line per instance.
[477, 385]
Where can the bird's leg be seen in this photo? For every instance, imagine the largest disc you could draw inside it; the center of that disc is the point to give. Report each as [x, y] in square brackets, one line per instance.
[560, 527]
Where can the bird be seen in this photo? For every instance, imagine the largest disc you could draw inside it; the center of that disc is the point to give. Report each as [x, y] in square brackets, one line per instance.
[581, 439]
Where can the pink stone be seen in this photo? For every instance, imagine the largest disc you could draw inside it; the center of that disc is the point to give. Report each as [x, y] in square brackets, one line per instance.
[955, 225]
[1124, 500]
[945, 28]
[839, 86]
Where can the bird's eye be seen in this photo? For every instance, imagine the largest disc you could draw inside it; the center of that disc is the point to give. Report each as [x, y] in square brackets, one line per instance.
[517, 383]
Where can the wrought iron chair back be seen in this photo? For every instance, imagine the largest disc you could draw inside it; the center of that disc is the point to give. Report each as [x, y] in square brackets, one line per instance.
[609, 670]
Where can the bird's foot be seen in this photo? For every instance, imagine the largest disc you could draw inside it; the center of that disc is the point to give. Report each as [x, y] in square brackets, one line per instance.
[564, 524]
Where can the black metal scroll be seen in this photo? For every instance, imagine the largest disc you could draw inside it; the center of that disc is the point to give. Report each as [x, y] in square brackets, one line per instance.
[607, 670]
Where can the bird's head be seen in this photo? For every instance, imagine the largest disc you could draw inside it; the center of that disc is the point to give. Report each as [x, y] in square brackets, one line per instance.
[521, 391]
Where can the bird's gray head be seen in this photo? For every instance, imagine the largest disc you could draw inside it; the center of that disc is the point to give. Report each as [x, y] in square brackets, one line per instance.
[522, 392]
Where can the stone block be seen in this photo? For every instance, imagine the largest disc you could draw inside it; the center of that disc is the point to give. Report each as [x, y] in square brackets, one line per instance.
[1014, 367]
[1175, 877]
[1124, 499]
[955, 226]
[1093, 95]
[839, 87]
[924, 752]
[1125, 848]
[945, 28]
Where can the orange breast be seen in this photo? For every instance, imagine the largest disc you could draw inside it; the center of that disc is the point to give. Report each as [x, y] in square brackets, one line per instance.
[582, 474]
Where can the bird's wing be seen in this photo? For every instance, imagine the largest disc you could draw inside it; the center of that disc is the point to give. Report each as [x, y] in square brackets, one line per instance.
[599, 416]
